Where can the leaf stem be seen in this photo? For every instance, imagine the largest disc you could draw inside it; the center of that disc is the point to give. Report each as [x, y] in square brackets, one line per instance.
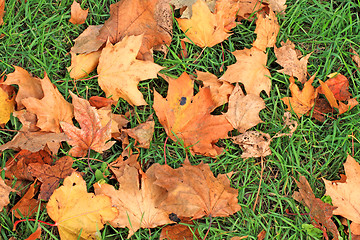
[165, 149]
[207, 232]
[88, 161]
[33, 220]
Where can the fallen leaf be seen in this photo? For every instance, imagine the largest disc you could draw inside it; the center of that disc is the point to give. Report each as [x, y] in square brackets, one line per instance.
[243, 111]
[118, 166]
[288, 122]
[220, 90]
[88, 40]
[194, 192]
[180, 231]
[188, 117]
[267, 29]
[321, 108]
[261, 235]
[254, 144]
[50, 176]
[344, 194]
[100, 102]
[226, 11]
[77, 213]
[142, 133]
[338, 84]
[302, 101]
[28, 120]
[249, 69]
[247, 8]
[78, 15]
[2, 11]
[27, 206]
[117, 121]
[35, 235]
[319, 211]
[119, 71]
[355, 56]
[51, 109]
[137, 201]
[277, 6]
[83, 64]
[288, 58]
[328, 94]
[346, 107]
[7, 105]
[91, 135]
[204, 28]
[28, 86]
[150, 18]
[4, 196]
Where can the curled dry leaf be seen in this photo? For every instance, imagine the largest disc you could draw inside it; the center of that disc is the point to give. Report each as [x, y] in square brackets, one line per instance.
[288, 58]
[78, 15]
[91, 135]
[100, 102]
[137, 200]
[267, 29]
[254, 144]
[194, 192]
[188, 117]
[27, 206]
[120, 73]
[320, 212]
[142, 133]
[78, 213]
[4, 194]
[83, 64]
[50, 175]
[249, 69]
[243, 111]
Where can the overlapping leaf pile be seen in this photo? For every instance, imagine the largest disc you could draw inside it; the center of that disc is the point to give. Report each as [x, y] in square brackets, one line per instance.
[122, 52]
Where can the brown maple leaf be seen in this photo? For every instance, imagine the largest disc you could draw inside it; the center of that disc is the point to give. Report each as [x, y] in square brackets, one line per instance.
[267, 29]
[137, 200]
[194, 192]
[249, 69]
[188, 117]
[254, 144]
[142, 133]
[319, 211]
[288, 58]
[120, 73]
[180, 231]
[151, 18]
[243, 111]
[91, 135]
[100, 102]
[50, 175]
[78, 15]
[4, 194]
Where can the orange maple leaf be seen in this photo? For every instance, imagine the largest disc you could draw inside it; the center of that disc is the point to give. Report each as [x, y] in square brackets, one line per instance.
[78, 15]
[91, 135]
[188, 117]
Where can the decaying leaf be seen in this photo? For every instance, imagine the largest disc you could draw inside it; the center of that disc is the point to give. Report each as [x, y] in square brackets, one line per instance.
[243, 111]
[249, 69]
[4, 196]
[51, 109]
[78, 15]
[137, 201]
[254, 144]
[288, 58]
[188, 117]
[303, 100]
[344, 194]
[83, 64]
[50, 175]
[76, 211]
[91, 135]
[120, 73]
[320, 212]
[150, 18]
[194, 192]
[27, 206]
[267, 29]
[142, 133]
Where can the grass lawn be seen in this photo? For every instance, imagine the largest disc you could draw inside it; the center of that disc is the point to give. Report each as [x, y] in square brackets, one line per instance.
[37, 36]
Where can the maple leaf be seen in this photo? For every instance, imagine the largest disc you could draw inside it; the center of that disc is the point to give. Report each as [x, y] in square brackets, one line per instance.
[83, 64]
[7, 105]
[4, 196]
[117, 121]
[119, 71]
[137, 200]
[243, 111]
[50, 176]
[220, 90]
[77, 213]
[151, 18]
[338, 84]
[288, 58]
[100, 102]
[51, 109]
[319, 211]
[142, 133]
[91, 135]
[194, 192]
[28, 86]
[118, 166]
[204, 28]
[188, 117]
[27, 205]
[254, 144]
[303, 100]
[78, 15]
[187, 5]
[344, 193]
[88, 40]
[267, 29]
[249, 69]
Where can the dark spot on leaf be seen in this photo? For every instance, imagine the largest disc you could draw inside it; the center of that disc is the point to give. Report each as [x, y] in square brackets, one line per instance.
[174, 217]
[183, 101]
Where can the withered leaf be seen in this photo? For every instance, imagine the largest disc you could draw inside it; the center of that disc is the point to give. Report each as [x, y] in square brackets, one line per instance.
[179, 231]
[88, 40]
[91, 135]
[78, 15]
[338, 84]
[267, 29]
[254, 144]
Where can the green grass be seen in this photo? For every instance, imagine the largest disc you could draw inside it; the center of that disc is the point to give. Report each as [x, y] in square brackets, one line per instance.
[37, 36]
